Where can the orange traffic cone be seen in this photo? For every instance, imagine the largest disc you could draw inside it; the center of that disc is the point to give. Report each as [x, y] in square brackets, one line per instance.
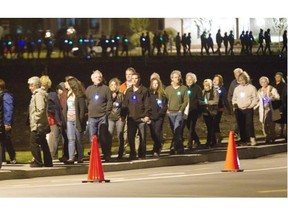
[232, 160]
[95, 171]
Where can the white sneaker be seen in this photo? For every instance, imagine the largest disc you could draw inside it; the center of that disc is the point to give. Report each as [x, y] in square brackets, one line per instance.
[253, 141]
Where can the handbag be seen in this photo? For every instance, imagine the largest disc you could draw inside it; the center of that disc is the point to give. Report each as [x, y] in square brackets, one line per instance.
[275, 114]
[212, 109]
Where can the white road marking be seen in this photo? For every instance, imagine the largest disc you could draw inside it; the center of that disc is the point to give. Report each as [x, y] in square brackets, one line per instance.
[151, 177]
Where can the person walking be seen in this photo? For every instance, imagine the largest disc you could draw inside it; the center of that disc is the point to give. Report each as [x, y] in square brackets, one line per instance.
[234, 83]
[62, 95]
[267, 94]
[177, 101]
[203, 43]
[218, 85]
[158, 101]
[138, 111]
[219, 40]
[267, 37]
[281, 104]
[38, 123]
[75, 117]
[116, 117]
[284, 47]
[54, 116]
[195, 95]
[245, 98]
[99, 102]
[260, 41]
[6, 122]
[231, 40]
[209, 103]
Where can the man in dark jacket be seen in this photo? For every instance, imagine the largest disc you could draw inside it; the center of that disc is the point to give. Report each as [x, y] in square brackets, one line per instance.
[38, 122]
[6, 115]
[138, 110]
[194, 94]
[99, 102]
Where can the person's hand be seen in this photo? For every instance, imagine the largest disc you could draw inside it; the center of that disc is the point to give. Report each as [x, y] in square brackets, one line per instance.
[8, 127]
[235, 107]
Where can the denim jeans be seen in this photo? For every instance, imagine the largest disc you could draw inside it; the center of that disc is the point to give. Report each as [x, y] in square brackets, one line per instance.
[156, 129]
[175, 121]
[132, 130]
[99, 127]
[75, 139]
[120, 133]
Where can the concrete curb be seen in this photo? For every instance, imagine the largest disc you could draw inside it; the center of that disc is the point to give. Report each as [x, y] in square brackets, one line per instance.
[23, 171]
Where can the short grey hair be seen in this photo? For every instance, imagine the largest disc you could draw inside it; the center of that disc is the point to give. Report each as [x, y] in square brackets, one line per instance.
[97, 72]
[176, 72]
[35, 80]
[237, 70]
[194, 77]
[265, 78]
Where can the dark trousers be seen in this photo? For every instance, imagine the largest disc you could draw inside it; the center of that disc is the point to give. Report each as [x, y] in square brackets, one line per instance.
[245, 123]
[210, 124]
[1, 144]
[217, 121]
[156, 129]
[65, 142]
[131, 132]
[176, 125]
[99, 127]
[7, 145]
[38, 141]
[191, 124]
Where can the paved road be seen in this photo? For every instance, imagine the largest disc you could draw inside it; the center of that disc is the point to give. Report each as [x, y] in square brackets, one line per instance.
[262, 177]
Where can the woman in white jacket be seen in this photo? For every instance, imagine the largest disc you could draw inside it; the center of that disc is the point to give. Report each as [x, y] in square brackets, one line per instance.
[267, 94]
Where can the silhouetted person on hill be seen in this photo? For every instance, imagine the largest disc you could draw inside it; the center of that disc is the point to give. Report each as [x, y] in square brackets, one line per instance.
[267, 37]
[260, 41]
[203, 42]
[125, 42]
[284, 48]
[250, 43]
[188, 43]
[231, 42]
[165, 42]
[210, 44]
[154, 43]
[103, 45]
[30, 47]
[183, 42]
[143, 44]
[159, 42]
[117, 42]
[219, 42]
[178, 44]
[246, 42]
[242, 40]
[148, 43]
[225, 41]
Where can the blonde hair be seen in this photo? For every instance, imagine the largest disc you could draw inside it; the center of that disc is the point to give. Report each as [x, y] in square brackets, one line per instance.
[117, 82]
[46, 81]
[209, 81]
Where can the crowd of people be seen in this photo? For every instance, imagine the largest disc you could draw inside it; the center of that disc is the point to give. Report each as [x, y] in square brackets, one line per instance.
[116, 45]
[130, 108]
